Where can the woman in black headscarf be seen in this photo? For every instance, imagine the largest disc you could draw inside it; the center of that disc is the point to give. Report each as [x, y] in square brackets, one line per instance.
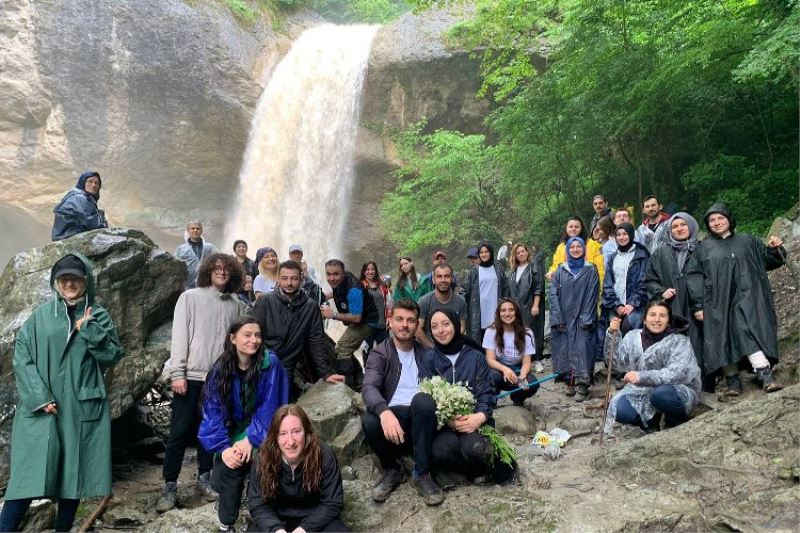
[486, 284]
[674, 275]
[458, 359]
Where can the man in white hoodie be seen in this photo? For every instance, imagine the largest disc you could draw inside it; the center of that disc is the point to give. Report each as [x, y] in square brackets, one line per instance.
[199, 327]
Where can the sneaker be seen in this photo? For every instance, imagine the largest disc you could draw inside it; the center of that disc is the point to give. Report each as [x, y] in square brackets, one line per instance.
[204, 489]
[391, 479]
[570, 390]
[734, 385]
[538, 367]
[768, 383]
[169, 495]
[228, 529]
[581, 392]
[428, 489]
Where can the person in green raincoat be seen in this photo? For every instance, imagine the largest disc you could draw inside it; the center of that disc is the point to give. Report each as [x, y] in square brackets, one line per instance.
[61, 437]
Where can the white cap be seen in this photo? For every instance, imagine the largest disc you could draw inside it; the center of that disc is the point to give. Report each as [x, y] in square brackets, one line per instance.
[295, 248]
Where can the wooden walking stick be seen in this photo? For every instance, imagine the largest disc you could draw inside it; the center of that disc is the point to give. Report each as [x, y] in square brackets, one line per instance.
[607, 397]
[87, 524]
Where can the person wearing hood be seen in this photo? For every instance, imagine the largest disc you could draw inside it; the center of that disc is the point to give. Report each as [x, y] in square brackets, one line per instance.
[573, 319]
[738, 312]
[486, 284]
[456, 358]
[199, 329]
[61, 437]
[661, 373]
[193, 251]
[674, 276]
[77, 212]
[624, 289]
[355, 308]
[291, 326]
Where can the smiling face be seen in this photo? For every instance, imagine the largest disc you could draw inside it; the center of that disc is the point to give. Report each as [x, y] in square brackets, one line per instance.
[442, 328]
[651, 208]
[719, 224]
[507, 313]
[240, 250]
[680, 229]
[296, 256]
[405, 266]
[573, 228]
[442, 279]
[334, 275]
[71, 287]
[404, 324]
[370, 272]
[657, 319]
[622, 237]
[247, 340]
[220, 276]
[576, 250]
[92, 185]
[484, 254]
[521, 255]
[292, 439]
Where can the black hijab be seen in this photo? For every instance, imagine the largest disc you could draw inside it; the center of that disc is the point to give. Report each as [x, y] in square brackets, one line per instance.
[628, 227]
[488, 246]
[459, 340]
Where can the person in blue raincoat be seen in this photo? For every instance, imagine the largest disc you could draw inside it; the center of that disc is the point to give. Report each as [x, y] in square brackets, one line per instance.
[77, 212]
[245, 387]
[61, 438]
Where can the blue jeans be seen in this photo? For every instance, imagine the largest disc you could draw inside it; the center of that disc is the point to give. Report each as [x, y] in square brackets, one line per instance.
[14, 511]
[665, 399]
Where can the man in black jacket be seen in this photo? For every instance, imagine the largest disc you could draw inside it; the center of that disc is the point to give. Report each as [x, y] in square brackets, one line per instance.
[399, 418]
[291, 326]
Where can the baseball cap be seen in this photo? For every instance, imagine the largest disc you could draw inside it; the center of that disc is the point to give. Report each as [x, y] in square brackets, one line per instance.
[438, 253]
[69, 264]
[295, 248]
[472, 252]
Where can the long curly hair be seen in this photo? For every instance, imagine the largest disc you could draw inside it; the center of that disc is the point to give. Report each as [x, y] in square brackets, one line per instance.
[518, 326]
[220, 379]
[271, 460]
[231, 265]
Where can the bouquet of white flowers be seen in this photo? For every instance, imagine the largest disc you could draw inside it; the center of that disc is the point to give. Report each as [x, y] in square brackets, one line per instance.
[454, 400]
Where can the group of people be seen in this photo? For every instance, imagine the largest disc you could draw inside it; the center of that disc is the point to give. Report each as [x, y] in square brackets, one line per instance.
[664, 310]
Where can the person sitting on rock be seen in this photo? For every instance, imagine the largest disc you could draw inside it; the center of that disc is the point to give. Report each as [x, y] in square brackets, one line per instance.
[661, 372]
[243, 391]
[295, 484]
[193, 251]
[61, 439]
[77, 212]
[509, 349]
[399, 418]
[456, 358]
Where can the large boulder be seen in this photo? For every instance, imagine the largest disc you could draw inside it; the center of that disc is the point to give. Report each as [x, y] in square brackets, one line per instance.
[785, 282]
[137, 283]
[330, 408]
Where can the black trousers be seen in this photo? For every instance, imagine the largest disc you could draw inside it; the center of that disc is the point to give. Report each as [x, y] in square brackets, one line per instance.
[183, 430]
[14, 511]
[418, 421]
[229, 483]
[501, 384]
[468, 453]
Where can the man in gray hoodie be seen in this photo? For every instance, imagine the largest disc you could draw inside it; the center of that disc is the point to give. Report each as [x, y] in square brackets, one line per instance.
[199, 328]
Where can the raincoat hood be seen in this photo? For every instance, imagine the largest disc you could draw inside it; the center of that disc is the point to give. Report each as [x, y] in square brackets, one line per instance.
[81, 184]
[723, 210]
[90, 288]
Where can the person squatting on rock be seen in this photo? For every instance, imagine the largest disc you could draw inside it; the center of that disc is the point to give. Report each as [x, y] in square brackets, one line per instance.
[673, 275]
[292, 326]
[194, 251]
[653, 229]
[624, 289]
[77, 212]
[295, 484]
[399, 419]
[526, 286]
[356, 309]
[738, 312]
[459, 359]
[244, 389]
[61, 437]
[442, 296]
[410, 284]
[199, 330]
[486, 284]
[573, 318]
[661, 372]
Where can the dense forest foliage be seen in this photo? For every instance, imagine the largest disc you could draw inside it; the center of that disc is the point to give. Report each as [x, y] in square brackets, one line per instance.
[695, 101]
[343, 11]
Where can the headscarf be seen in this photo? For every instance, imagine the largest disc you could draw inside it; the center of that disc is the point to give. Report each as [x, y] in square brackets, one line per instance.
[575, 265]
[720, 209]
[262, 252]
[488, 246]
[81, 184]
[682, 248]
[459, 340]
[628, 227]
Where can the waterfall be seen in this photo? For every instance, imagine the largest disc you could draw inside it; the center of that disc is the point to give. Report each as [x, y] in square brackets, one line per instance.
[296, 179]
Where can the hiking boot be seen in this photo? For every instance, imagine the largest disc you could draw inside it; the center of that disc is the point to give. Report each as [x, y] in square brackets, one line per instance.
[204, 489]
[734, 385]
[581, 392]
[570, 390]
[169, 494]
[391, 479]
[428, 489]
[768, 383]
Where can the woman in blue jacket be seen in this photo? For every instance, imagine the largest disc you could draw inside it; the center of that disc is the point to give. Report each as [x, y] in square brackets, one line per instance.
[242, 392]
[624, 287]
[458, 359]
[77, 212]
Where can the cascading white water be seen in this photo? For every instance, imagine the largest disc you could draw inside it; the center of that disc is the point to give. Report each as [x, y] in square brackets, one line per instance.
[297, 176]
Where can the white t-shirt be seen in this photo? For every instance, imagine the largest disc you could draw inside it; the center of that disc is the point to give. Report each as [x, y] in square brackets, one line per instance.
[408, 385]
[509, 355]
[263, 284]
[488, 287]
[520, 270]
